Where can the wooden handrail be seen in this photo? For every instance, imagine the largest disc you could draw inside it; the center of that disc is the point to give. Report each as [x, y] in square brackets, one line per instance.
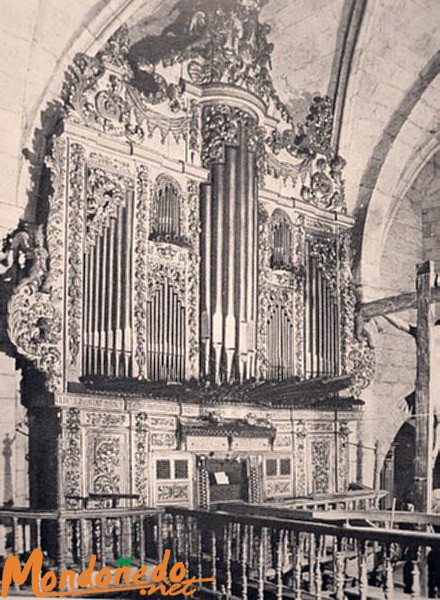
[80, 513]
[220, 518]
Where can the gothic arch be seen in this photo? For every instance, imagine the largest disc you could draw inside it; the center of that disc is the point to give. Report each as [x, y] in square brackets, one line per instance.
[405, 146]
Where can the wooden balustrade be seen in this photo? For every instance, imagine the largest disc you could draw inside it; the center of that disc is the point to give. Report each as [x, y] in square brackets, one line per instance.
[250, 556]
[254, 556]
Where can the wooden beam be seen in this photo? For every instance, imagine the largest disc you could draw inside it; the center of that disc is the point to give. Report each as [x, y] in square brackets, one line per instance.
[391, 304]
[424, 414]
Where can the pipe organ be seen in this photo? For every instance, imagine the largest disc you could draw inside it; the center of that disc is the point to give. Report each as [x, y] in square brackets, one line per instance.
[107, 278]
[322, 314]
[229, 250]
[194, 233]
[166, 335]
[166, 210]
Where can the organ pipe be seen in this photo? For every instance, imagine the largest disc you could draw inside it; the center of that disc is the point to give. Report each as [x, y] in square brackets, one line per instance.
[218, 189]
[321, 322]
[229, 231]
[242, 226]
[280, 347]
[229, 265]
[107, 297]
[166, 337]
[205, 267]
[252, 264]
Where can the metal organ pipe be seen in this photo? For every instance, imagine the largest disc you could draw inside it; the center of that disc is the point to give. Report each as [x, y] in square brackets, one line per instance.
[205, 267]
[242, 226]
[127, 339]
[117, 340]
[252, 264]
[229, 265]
[229, 273]
[218, 256]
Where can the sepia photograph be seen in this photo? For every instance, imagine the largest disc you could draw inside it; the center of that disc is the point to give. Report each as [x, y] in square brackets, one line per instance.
[219, 299]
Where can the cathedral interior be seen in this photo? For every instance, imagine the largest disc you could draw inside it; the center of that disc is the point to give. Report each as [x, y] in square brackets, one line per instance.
[221, 226]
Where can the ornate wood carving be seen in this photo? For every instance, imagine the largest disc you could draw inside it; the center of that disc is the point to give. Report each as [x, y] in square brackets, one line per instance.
[300, 459]
[320, 459]
[35, 308]
[143, 193]
[106, 474]
[141, 456]
[173, 492]
[74, 249]
[72, 455]
[343, 457]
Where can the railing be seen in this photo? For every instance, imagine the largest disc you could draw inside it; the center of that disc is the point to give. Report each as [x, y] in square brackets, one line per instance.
[251, 555]
[261, 557]
[69, 537]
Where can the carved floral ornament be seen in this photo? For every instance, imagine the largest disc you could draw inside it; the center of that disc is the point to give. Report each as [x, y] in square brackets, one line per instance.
[35, 308]
[222, 45]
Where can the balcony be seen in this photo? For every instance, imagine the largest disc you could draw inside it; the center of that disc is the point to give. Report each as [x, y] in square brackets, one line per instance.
[252, 552]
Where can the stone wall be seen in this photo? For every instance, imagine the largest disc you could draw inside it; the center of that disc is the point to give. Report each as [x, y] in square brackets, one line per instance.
[414, 236]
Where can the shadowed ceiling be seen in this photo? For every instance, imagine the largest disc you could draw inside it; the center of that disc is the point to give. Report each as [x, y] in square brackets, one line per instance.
[307, 36]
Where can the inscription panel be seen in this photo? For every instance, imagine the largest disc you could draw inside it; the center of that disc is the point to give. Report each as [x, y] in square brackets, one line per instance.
[205, 443]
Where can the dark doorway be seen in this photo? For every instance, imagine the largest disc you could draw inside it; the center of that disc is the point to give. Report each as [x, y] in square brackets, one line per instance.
[404, 455]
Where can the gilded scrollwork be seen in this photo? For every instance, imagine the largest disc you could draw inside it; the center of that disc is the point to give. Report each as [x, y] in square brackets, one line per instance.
[106, 465]
[343, 457]
[143, 192]
[323, 249]
[141, 456]
[72, 456]
[74, 248]
[325, 187]
[34, 310]
[320, 459]
[105, 419]
[300, 437]
[173, 492]
[105, 194]
[192, 275]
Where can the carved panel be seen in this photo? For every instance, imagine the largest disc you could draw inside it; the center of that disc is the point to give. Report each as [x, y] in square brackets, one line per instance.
[320, 463]
[107, 469]
[105, 419]
[206, 444]
[172, 492]
[163, 439]
[72, 467]
[255, 477]
[320, 427]
[156, 422]
[141, 457]
[343, 457]
[278, 487]
[300, 459]
[250, 444]
[283, 441]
